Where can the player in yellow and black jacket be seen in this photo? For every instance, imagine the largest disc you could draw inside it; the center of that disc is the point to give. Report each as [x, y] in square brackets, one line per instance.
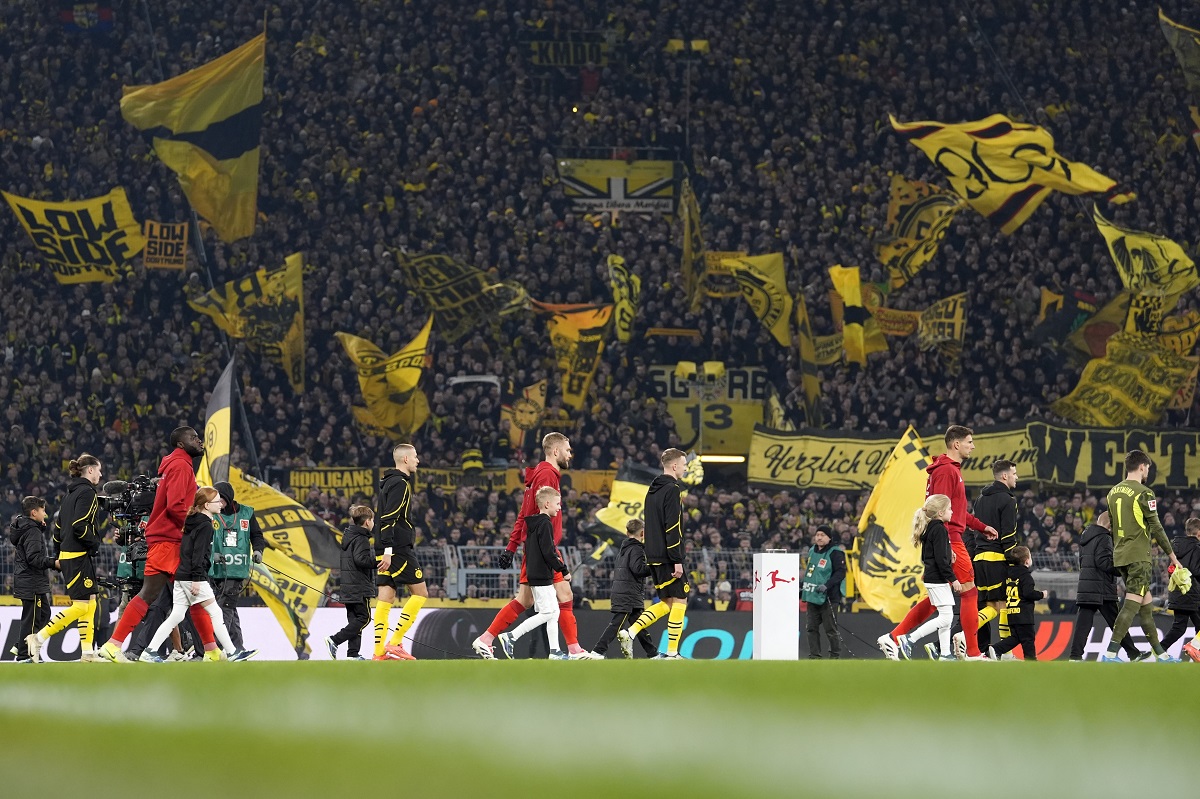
[1020, 594]
[996, 507]
[395, 552]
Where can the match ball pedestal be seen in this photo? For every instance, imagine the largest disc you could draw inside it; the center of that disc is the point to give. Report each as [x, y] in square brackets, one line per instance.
[776, 606]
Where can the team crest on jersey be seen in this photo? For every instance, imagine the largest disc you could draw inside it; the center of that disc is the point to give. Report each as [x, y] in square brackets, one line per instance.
[418, 574]
[87, 582]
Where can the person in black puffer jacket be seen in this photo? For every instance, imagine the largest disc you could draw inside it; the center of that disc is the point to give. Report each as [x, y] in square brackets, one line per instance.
[1186, 606]
[358, 582]
[31, 581]
[628, 592]
[1097, 587]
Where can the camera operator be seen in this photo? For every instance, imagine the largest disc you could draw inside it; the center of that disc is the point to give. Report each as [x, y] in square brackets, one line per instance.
[164, 532]
[31, 581]
[238, 540]
[76, 542]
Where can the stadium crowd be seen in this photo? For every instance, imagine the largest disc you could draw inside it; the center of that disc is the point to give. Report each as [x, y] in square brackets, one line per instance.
[423, 127]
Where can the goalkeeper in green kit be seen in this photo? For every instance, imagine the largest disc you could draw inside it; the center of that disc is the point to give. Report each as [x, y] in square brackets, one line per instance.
[1134, 512]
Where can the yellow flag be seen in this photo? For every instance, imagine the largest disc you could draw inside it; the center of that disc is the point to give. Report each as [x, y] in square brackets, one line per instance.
[267, 309]
[214, 463]
[394, 402]
[1003, 169]
[205, 127]
[919, 215]
[83, 241]
[811, 379]
[626, 502]
[692, 265]
[458, 294]
[627, 289]
[1148, 264]
[577, 335]
[524, 412]
[763, 282]
[860, 332]
[1180, 333]
[828, 349]
[943, 325]
[887, 569]
[1185, 42]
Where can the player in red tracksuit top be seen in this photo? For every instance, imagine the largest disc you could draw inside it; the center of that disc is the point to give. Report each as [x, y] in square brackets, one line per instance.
[945, 477]
[557, 450]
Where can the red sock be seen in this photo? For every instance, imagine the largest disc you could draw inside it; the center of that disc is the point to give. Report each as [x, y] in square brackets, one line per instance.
[969, 609]
[135, 611]
[921, 613]
[203, 624]
[507, 615]
[566, 623]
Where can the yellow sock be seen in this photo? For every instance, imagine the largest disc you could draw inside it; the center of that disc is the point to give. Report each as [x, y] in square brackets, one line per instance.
[380, 617]
[1196, 641]
[87, 626]
[1004, 631]
[408, 614]
[649, 616]
[675, 626]
[63, 619]
[986, 614]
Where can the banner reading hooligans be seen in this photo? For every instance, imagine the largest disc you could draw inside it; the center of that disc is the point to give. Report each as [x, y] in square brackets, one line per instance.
[458, 294]
[764, 285]
[627, 289]
[1003, 169]
[577, 334]
[166, 245]
[919, 215]
[1051, 454]
[267, 309]
[347, 480]
[83, 241]
[640, 187]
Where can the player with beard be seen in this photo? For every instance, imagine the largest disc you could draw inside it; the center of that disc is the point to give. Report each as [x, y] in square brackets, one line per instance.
[557, 450]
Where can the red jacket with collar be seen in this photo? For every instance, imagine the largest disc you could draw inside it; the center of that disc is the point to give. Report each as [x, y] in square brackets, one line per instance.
[175, 494]
[945, 477]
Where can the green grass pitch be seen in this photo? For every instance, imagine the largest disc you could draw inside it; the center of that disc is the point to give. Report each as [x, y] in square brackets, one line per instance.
[646, 728]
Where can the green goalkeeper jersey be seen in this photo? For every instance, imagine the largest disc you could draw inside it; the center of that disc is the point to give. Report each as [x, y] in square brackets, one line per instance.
[1134, 512]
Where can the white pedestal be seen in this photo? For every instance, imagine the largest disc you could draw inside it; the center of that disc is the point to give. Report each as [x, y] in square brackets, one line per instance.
[776, 606]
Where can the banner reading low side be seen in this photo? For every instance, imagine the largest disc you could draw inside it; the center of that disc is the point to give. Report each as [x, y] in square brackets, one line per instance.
[166, 245]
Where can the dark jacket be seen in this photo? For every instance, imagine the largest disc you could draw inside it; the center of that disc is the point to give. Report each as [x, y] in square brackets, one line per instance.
[30, 579]
[195, 550]
[997, 507]
[935, 554]
[75, 530]
[1018, 586]
[629, 577]
[258, 542]
[541, 557]
[1097, 583]
[664, 521]
[392, 526]
[1187, 549]
[358, 565]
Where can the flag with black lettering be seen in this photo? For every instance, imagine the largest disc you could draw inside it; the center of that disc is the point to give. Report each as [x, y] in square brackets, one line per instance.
[577, 334]
[1147, 264]
[810, 378]
[394, 401]
[1179, 333]
[1133, 383]
[267, 309]
[459, 295]
[1185, 43]
[919, 215]
[763, 282]
[204, 125]
[83, 241]
[886, 565]
[943, 325]
[524, 411]
[860, 333]
[1003, 169]
[627, 290]
[166, 245]
[692, 265]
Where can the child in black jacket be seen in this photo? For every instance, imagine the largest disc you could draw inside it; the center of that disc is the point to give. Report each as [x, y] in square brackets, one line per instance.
[930, 533]
[628, 594]
[358, 582]
[1021, 593]
[542, 561]
[31, 580]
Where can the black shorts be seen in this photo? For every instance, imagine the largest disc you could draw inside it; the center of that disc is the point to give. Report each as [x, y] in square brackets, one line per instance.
[669, 586]
[405, 570]
[989, 579]
[80, 576]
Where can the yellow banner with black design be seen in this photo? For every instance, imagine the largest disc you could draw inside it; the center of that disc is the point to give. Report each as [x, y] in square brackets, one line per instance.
[214, 463]
[827, 349]
[205, 125]
[860, 332]
[459, 295]
[919, 216]
[390, 384]
[1148, 312]
[714, 415]
[626, 502]
[1003, 169]
[1147, 264]
[810, 378]
[1186, 394]
[83, 241]
[640, 187]
[577, 334]
[1134, 383]
[763, 283]
[627, 290]
[166, 245]
[893, 322]
[524, 412]
[1180, 333]
[266, 309]
[943, 326]
[887, 565]
[345, 480]
[1185, 43]
[692, 265]
[719, 282]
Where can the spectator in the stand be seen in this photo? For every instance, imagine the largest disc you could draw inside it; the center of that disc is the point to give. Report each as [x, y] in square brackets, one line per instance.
[702, 598]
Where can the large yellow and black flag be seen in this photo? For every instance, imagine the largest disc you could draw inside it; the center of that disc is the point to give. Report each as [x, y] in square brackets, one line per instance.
[886, 566]
[1003, 169]
[459, 295]
[205, 126]
[860, 333]
[1185, 42]
[577, 334]
[918, 217]
[1148, 264]
[763, 282]
[267, 309]
[390, 384]
[627, 290]
[218, 421]
[524, 410]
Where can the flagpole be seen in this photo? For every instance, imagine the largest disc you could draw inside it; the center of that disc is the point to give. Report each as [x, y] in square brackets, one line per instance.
[202, 257]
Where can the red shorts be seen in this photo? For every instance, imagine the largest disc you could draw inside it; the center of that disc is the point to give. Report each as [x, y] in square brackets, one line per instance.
[558, 578]
[964, 572]
[163, 558]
